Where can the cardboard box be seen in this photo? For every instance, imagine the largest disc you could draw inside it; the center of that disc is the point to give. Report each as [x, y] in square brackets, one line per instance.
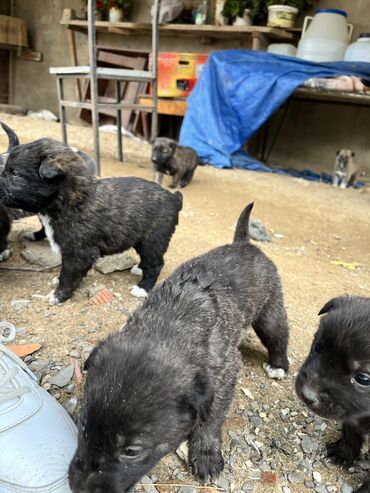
[13, 31]
[178, 73]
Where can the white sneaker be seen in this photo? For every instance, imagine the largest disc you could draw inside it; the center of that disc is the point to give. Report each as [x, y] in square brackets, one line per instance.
[37, 436]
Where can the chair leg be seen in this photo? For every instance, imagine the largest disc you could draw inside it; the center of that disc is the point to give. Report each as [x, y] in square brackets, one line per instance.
[62, 110]
[119, 122]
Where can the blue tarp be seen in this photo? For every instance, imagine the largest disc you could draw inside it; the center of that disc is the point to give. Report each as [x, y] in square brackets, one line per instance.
[238, 91]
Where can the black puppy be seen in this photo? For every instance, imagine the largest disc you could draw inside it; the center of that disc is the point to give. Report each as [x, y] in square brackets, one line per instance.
[170, 374]
[85, 218]
[18, 214]
[334, 381]
[169, 158]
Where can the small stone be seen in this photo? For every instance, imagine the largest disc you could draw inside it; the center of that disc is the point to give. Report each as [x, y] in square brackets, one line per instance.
[223, 483]
[74, 353]
[316, 476]
[147, 484]
[309, 445]
[40, 254]
[258, 231]
[112, 263]
[70, 405]
[20, 304]
[39, 365]
[346, 488]
[320, 488]
[62, 378]
[21, 331]
[286, 489]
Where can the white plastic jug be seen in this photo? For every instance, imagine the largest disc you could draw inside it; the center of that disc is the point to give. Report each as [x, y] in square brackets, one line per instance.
[325, 37]
[359, 51]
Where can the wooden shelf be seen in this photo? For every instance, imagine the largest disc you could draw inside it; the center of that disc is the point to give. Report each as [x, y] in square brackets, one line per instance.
[335, 97]
[208, 32]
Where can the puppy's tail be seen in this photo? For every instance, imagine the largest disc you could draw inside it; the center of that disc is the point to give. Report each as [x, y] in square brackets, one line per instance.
[242, 228]
[179, 197]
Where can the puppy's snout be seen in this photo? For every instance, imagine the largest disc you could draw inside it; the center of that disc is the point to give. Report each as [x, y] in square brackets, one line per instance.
[154, 159]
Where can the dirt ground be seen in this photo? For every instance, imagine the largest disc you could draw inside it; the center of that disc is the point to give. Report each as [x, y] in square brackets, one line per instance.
[315, 225]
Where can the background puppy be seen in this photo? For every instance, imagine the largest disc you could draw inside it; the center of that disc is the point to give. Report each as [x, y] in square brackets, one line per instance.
[169, 158]
[85, 218]
[334, 382]
[170, 374]
[345, 170]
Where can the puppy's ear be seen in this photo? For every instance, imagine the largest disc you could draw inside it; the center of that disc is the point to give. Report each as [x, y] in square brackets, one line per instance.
[200, 397]
[330, 305]
[353, 154]
[173, 145]
[51, 169]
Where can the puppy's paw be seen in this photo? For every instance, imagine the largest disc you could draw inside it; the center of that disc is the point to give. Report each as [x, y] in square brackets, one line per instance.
[138, 292]
[136, 271]
[275, 373]
[5, 254]
[53, 299]
[341, 453]
[206, 464]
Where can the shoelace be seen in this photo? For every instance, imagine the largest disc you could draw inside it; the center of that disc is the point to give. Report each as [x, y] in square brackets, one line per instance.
[8, 389]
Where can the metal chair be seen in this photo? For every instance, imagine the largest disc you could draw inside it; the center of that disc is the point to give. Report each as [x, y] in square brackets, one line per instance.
[93, 73]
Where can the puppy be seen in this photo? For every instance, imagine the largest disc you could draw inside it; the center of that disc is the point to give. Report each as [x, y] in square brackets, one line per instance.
[169, 374]
[345, 170]
[40, 234]
[85, 218]
[334, 381]
[169, 158]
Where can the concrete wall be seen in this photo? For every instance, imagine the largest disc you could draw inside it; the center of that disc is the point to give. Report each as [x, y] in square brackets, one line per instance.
[311, 132]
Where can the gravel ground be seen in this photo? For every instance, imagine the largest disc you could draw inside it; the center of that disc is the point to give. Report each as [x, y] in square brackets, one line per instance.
[272, 442]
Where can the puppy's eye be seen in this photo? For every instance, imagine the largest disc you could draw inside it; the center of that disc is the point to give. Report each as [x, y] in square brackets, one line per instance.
[131, 452]
[316, 348]
[362, 379]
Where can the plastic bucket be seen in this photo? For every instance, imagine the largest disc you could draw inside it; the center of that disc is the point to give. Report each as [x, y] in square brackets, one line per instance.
[281, 16]
[359, 51]
[285, 49]
[325, 37]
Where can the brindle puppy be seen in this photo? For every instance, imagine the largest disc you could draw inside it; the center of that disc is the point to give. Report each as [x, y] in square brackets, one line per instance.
[170, 374]
[85, 218]
[170, 158]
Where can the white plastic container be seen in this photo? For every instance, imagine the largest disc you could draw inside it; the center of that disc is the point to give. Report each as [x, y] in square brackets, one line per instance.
[285, 49]
[281, 16]
[325, 37]
[360, 50]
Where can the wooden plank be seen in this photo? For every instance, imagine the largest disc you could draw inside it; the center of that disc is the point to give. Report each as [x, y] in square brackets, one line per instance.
[208, 31]
[73, 54]
[167, 106]
[108, 105]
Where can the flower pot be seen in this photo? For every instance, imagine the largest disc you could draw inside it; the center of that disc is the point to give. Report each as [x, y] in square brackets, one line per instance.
[246, 20]
[115, 14]
[281, 16]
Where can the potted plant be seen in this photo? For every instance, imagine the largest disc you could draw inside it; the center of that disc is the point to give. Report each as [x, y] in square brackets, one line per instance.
[101, 8]
[256, 10]
[282, 13]
[118, 10]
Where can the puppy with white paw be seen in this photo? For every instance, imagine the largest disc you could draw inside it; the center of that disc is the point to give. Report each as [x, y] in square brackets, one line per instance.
[170, 374]
[85, 218]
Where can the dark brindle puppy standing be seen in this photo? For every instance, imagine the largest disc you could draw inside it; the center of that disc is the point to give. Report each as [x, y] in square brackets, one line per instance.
[86, 218]
[170, 374]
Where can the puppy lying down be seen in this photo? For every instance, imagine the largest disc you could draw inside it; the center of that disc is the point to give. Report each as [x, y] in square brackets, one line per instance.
[169, 374]
[85, 218]
[334, 381]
